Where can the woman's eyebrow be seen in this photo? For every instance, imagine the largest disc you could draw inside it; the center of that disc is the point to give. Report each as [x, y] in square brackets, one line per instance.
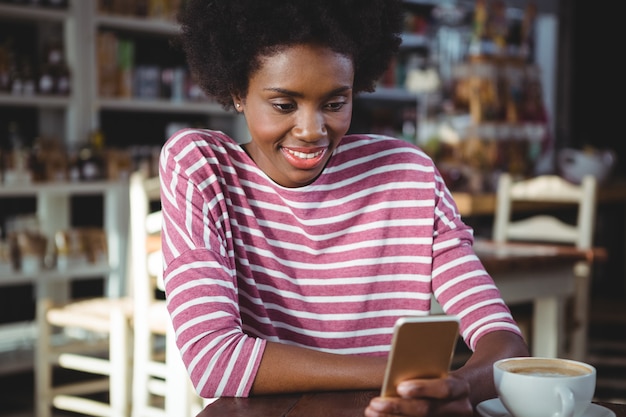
[291, 93]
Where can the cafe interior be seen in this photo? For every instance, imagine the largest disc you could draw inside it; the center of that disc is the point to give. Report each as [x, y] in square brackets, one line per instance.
[515, 100]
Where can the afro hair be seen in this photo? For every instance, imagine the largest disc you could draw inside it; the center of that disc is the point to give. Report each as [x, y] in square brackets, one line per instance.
[223, 40]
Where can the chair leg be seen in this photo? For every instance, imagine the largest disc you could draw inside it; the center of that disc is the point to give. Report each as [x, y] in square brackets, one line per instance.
[140, 394]
[43, 367]
[579, 336]
[121, 372]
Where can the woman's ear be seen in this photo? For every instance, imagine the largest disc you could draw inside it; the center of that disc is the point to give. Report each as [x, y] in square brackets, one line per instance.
[238, 103]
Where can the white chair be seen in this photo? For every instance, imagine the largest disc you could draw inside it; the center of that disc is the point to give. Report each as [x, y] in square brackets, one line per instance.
[546, 228]
[161, 386]
[90, 336]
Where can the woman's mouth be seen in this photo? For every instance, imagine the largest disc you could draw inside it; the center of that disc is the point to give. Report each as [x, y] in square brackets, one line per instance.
[304, 155]
[304, 158]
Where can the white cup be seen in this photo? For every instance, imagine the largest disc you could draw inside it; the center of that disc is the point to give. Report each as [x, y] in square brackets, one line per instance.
[539, 387]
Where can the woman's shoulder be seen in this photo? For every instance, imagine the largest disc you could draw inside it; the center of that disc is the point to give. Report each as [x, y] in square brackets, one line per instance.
[378, 140]
[371, 144]
[199, 136]
[208, 142]
[217, 150]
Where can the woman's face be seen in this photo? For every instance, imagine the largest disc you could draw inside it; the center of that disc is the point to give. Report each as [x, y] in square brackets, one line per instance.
[298, 107]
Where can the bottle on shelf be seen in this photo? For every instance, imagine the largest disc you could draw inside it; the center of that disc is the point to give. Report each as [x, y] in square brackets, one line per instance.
[91, 161]
[5, 66]
[63, 79]
[54, 77]
[16, 79]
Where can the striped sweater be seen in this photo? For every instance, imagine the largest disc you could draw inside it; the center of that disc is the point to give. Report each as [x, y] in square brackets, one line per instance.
[328, 266]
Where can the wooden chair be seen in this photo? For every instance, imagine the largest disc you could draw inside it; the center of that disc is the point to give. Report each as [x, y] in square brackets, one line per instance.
[161, 386]
[90, 339]
[544, 228]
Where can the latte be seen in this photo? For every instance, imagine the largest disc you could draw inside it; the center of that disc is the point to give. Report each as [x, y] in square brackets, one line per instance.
[539, 367]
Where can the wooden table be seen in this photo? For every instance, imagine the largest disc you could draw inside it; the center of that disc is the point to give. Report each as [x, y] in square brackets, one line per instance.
[612, 193]
[540, 274]
[325, 404]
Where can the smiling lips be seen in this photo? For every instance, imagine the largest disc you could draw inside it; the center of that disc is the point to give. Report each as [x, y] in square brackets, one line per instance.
[304, 155]
[304, 158]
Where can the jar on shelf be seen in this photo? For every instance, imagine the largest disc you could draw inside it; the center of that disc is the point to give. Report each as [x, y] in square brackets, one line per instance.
[32, 251]
[16, 161]
[6, 263]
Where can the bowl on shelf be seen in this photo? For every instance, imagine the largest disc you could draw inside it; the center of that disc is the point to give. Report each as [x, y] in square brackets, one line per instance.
[574, 164]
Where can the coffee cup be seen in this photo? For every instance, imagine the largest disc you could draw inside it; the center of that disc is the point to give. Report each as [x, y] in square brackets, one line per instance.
[539, 387]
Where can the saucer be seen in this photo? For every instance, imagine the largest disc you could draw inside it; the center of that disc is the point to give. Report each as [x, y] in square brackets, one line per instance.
[494, 408]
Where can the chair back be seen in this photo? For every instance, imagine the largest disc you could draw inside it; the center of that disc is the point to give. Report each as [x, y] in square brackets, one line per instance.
[545, 227]
[144, 240]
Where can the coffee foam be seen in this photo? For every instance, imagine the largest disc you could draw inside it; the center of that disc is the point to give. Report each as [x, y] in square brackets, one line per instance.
[545, 367]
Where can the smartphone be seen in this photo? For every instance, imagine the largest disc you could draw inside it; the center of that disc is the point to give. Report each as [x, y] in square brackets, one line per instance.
[421, 347]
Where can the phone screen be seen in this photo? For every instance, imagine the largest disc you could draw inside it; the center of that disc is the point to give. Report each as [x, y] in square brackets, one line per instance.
[422, 347]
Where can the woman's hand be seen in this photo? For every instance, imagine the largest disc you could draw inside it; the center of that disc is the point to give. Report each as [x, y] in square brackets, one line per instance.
[451, 396]
[425, 397]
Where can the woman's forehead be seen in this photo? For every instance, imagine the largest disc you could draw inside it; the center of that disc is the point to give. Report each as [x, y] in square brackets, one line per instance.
[306, 61]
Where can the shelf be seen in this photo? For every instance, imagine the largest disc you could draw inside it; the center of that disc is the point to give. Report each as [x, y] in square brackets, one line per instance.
[36, 100]
[32, 13]
[465, 3]
[423, 2]
[135, 24]
[57, 188]
[413, 40]
[392, 94]
[53, 213]
[161, 106]
[86, 271]
[17, 346]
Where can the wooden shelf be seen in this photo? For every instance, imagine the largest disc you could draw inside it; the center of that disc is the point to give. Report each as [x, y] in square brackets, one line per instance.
[137, 24]
[17, 342]
[86, 271]
[60, 188]
[387, 93]
[412, 40]
[32, 13]
[161, 106]
[37, 101]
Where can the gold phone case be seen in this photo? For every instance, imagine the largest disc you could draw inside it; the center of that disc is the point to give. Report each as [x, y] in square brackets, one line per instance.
[422, 347]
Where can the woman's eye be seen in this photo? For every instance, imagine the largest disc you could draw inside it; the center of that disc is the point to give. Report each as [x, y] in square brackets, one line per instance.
[335, 106]
[285, 107]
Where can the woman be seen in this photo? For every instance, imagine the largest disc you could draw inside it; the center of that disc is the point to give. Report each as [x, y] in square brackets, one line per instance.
[289, 258]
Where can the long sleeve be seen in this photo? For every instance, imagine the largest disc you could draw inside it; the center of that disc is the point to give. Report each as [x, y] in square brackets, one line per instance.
[200, 281]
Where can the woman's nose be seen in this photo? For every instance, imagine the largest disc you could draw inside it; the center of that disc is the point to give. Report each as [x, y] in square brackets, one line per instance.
[310, 125]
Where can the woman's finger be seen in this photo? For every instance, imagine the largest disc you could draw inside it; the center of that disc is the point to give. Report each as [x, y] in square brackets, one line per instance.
[396, 406]
[444, 388]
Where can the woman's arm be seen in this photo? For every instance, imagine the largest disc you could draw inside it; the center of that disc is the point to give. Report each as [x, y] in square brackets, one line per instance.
[287, 368]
